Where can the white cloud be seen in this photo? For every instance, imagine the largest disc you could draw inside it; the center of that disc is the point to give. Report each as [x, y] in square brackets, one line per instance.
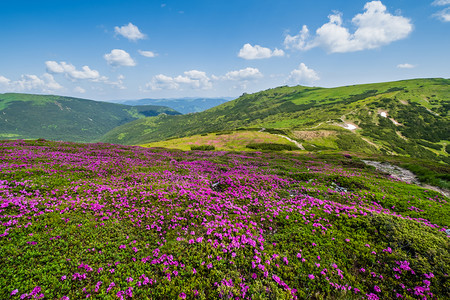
[257, 52]
[86, 73]
[118, 83]
[79, 90]
[443, 15]
[118, 57]
[297, 41]
[71, 71]
[54, 67]
[4, 80]
[303, 74]
[441, 2]
[192, 79]
[196, 79]
[243, 74]
[374, 28]
[130, 31]
[50, 82]
[147, 53]
[162, 82]
[45, 83]
[405, 66]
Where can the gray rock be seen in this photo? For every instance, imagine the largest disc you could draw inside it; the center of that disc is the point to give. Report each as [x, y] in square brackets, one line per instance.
[447, 231]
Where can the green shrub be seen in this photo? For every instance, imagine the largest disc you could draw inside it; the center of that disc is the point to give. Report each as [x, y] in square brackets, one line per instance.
[203, 147]
[437, 176]
[353, 142]
[271, 147]
[351, 183]
[429, 145]
[303, 176]
[276, 131]
[224, 132]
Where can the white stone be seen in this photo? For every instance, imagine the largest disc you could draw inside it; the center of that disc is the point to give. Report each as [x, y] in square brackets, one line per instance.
[349, 126]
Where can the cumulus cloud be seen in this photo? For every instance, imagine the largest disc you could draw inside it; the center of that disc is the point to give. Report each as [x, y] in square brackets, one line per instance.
[162, 82]
[86, 73]
[257, 52]
[50, 83]
[118, 57]
[147, 53]
[303, 74]
[130, 31]
[375, 27]
[243, 74]
[297, 41]
[71, 71]
[242, 77]
[193, 79]
[405, 66]
[45, 83]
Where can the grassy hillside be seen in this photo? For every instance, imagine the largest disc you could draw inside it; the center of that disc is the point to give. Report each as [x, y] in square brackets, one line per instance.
[409, 118]
[183, 105]
[228, 141]
[26, 116]
[109, 221]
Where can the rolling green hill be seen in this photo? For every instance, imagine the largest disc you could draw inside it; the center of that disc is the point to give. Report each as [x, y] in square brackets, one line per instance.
[27, 116]
[223, 141]
[183, 105]
[409, 118]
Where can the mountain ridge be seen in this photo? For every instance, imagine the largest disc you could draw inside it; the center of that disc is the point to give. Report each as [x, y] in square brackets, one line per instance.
[407, 117]
[184, 105]
[29, 116]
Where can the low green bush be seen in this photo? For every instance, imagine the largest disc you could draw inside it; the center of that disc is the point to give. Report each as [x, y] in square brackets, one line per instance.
[271, 147]
[203, 147]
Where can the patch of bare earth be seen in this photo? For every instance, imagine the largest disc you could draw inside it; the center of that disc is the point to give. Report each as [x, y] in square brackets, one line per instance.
[370, 142]
[400, 135]
[311, 135]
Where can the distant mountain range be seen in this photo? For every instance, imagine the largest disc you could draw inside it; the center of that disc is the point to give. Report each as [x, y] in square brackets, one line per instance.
[27, 116]
[409, 117]
[183, 105]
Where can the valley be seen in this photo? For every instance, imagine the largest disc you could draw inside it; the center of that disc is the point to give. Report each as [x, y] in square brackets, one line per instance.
[27, 116]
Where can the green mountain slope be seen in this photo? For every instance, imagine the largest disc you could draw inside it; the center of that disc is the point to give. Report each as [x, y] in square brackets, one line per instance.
[26, 116]
[407, 117]
[183, 105]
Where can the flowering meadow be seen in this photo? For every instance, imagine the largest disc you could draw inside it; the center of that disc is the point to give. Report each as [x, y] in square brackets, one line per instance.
[117, 222]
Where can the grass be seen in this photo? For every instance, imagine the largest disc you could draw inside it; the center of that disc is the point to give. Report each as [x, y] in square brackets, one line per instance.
[232, 141]
[27, 116]
[419, 105]
[108, 221]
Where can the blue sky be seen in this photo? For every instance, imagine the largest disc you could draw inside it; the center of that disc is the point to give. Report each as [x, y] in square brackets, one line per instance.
[106, 50]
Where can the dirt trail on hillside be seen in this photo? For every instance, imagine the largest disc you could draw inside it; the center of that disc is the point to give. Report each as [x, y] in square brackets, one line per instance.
[403, 175]
[293, 141]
